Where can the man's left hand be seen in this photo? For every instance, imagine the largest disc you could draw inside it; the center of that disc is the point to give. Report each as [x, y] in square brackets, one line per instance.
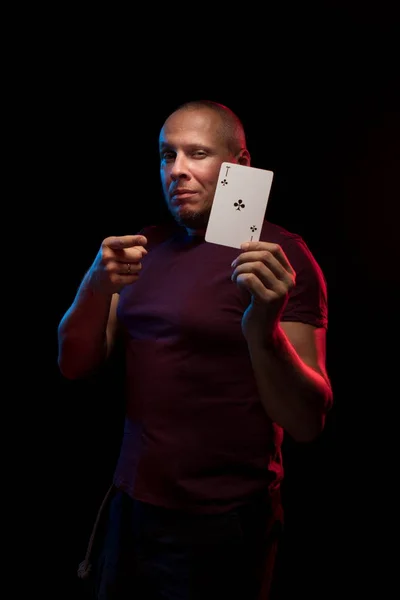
[264, 270]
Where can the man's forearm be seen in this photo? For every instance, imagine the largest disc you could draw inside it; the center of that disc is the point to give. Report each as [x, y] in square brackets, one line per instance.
[294, 395]
[82, 332]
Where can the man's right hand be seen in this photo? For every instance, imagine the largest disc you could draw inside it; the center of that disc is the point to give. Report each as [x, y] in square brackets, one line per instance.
[117, 263]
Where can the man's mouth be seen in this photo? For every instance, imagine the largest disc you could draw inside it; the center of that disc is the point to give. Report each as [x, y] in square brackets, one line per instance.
[179, 196]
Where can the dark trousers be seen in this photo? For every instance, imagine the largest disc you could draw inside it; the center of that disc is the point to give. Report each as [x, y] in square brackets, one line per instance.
[152, 553]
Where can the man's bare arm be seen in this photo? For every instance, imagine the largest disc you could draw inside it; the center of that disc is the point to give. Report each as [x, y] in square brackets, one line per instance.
[292, 380]
[87, 330]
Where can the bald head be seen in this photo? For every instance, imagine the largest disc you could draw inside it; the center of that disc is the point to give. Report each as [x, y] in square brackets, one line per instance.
[229, 128]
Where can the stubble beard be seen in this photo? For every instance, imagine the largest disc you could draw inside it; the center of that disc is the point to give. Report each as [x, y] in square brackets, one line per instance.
[193, 219]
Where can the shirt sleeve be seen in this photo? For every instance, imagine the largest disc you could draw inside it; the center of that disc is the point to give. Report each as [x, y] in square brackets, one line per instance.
[308, 300]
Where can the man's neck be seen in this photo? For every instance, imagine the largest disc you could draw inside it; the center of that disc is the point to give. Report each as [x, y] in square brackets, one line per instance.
[196, 232]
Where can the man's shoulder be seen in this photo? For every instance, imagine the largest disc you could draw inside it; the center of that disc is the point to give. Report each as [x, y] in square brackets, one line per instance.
[293, 245]
[271, 232]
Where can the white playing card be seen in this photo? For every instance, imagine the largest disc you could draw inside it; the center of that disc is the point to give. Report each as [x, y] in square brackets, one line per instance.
[239, 205]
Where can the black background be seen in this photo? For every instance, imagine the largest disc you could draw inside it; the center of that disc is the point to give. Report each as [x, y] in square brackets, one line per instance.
[319, 101]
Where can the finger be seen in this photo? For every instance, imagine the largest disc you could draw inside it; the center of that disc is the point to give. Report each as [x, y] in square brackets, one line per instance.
[260, 275]
[128, 268]
[123, 256]
[125, 241]
[131, 255]
[260, 259]
[274, 249]
[252, 284]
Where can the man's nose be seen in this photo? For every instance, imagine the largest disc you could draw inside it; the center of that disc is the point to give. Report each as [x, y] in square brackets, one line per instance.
[180, 167]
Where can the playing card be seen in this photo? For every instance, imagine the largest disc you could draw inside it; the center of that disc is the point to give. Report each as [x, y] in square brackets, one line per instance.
[240, 201]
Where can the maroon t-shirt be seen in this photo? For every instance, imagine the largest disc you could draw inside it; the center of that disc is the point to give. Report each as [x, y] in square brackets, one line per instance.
[196, 435]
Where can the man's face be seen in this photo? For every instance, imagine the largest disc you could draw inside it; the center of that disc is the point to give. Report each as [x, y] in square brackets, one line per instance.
[191, 153]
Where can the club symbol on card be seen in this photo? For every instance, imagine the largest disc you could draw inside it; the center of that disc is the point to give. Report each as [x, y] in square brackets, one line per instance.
[224, 181]
[239, 205]
[253, 228]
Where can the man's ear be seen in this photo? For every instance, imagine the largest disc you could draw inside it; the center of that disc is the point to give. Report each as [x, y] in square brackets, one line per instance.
[244, 157]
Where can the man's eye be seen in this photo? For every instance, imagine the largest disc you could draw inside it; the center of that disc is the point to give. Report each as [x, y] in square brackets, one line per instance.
[199, 153]
[167, 156]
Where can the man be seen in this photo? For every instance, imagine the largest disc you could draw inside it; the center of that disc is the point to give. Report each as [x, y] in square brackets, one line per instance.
[225, 351]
